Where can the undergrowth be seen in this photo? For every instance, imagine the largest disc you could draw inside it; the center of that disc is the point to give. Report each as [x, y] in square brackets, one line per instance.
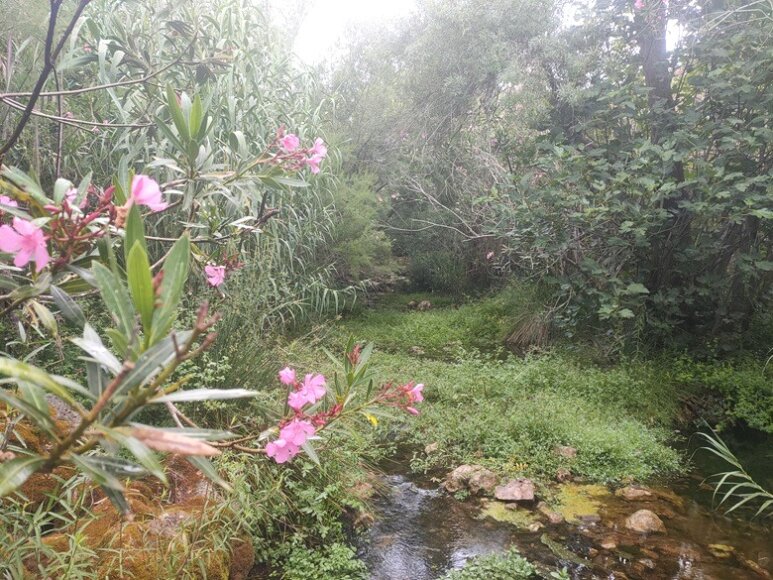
[511, 412]
[508, 566]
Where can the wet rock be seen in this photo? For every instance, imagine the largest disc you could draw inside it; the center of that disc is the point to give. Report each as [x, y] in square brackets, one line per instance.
[424, 305]
[645, 522]
[592, 553]
[647, 563]
[457, 480]
[754, 567]
[515, 490]
[633, 493]
[483, 481]
[608, 543]
[721, 551]
[565, 451]
[554, 518]
[474, 478]
[563, 475]
[684, 551]
[508, 513]
[536, 527]
[576, 502]
[431, 448]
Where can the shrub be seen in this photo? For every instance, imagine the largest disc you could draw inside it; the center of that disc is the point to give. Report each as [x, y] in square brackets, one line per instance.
[508, 566]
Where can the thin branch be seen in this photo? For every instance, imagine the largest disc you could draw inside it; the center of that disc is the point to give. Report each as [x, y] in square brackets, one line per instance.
[69, 121]
[51, 55]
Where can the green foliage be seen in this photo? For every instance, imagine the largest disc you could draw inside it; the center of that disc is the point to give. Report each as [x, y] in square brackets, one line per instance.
[360, 250]
[736, 489]
[632, 181]
[333, 561]
[510, 413]
[508, 566]
[743, 389]
[441, 332]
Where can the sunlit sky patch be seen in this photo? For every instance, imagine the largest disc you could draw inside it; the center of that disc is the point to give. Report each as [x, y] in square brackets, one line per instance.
[328, 20]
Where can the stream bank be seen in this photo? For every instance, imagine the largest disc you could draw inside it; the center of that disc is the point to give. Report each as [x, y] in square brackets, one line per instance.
[421, 532]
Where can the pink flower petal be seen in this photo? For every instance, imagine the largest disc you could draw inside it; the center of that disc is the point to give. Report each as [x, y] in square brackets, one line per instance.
[215, 274]
[287, 376]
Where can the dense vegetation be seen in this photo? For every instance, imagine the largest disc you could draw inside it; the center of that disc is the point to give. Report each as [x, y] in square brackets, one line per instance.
[561, 223]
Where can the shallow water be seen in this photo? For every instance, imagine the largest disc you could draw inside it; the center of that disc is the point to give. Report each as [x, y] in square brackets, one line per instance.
[420, 533]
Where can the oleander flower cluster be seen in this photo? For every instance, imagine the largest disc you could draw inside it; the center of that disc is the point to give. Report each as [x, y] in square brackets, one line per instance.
[303, 398]
[296, 430]
[288, 153]
[69, 229]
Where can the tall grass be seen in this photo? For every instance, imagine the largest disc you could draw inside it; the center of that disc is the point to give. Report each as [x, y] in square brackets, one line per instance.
[735, 488]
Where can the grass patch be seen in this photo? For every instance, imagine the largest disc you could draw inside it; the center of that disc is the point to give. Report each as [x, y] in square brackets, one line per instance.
[507, 412]
[450, 328]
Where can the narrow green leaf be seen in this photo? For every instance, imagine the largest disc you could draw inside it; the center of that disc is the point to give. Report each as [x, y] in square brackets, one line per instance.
[135, 232]
[307, 447]
[51, 383]
[116, 298]
[15, 472]
[46, 318]
[92, 344]
[95, 472]
[142, 452]
[68, 307]
[34, 395]
[141, 285]
[151, 361]
[42, 420]
[177, 114]
[117, 498]
[196, 117]
[176, 268]
[205, 466]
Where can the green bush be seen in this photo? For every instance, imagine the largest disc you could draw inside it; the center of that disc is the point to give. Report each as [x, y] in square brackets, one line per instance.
[744, 387]
[508, 566]
[334, 561]
[358, 249]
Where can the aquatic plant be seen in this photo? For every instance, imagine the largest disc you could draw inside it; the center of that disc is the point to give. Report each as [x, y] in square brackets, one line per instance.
[736, 488]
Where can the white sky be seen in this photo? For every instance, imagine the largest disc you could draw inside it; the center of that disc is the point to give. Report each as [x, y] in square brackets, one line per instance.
[327, 20]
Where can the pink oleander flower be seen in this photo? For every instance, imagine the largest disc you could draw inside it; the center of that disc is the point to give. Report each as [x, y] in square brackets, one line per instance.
[490, 255]
[639, 4]
[146, 191]
[296, 400]
[290, 142]
[314, 386]
[311, 390]
[5, 200]
[313, 163]
[27, 241]
[415, 394]
[215, 274]
[287, 376]
[319, 148]
[296, 432]
[281, 450]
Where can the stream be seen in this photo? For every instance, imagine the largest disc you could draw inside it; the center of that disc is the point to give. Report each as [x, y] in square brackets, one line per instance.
[421, 532]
